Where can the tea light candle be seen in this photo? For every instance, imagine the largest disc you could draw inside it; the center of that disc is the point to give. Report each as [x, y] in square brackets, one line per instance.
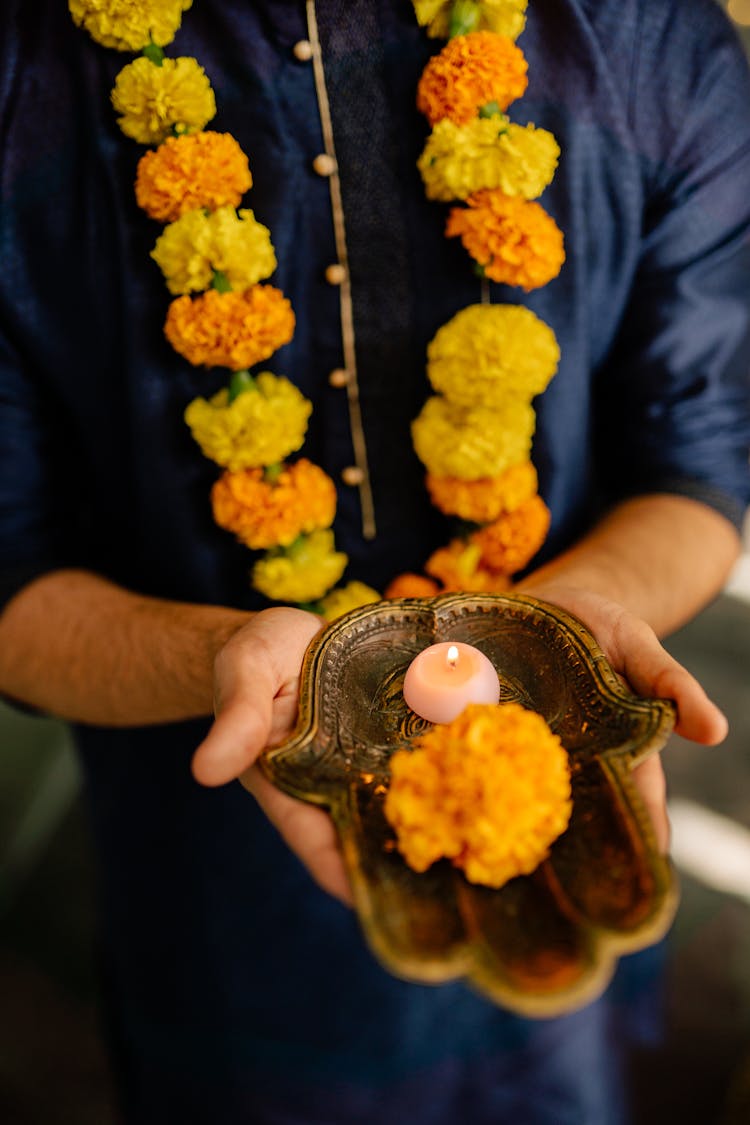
[442, 679]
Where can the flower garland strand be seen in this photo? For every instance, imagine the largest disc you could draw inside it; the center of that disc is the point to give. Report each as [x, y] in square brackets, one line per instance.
[489, 361]
[485, 365]
[214, 255]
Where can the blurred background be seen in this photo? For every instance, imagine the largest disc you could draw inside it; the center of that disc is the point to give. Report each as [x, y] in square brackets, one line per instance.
[53, 1068]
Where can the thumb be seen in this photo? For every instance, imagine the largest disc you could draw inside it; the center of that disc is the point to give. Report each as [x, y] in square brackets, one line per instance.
[245, 690]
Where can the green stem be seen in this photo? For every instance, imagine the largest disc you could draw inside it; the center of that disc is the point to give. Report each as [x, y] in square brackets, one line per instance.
[153, 53]
[491, 109]
[464, 18]
[271, 473]
[220, 282]
[240, 383]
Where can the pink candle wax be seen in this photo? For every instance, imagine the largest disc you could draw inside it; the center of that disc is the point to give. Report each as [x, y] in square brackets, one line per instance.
[443, 678]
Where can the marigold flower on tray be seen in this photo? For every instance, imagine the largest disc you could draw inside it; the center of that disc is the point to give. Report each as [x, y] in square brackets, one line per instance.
[490, 792]
[487, 353]
[488, 152]
[472, 442]
[155, 100]
[483, 500]
[260, 427]
[351, 596]
[197, 170]
[471, 71]
[459, 567]
[303, 572]
[129, 25]
[505, 17]
[233, 330]
[411, 586]
[263, 513]
[516, 242]
[193, 246]
[513, 540]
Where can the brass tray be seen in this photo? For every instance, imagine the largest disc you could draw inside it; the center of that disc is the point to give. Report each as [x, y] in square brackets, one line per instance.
[545, 943]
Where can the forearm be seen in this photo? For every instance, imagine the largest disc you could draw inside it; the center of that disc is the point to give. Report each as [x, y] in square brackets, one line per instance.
[662, 557]
[75, 645]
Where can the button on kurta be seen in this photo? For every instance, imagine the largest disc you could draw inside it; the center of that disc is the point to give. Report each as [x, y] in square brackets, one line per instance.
[339, 377]
[352, 475]
[303, 50]
[335, 274]
[324, 164]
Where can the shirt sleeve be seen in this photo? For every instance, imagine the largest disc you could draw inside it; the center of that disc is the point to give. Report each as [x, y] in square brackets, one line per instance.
[38, 524]
[673, 398]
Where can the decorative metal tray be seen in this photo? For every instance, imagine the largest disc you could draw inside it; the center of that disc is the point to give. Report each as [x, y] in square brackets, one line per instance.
[544, 943]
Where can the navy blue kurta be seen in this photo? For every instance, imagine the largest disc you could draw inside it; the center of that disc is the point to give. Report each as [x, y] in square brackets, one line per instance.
[239, 992]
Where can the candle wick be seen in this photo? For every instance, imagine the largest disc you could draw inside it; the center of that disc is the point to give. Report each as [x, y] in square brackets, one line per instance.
[452, 656]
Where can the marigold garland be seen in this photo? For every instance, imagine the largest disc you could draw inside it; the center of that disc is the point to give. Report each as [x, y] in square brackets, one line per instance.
[488, 353]
[410, 585]
[197, 170]
[509, 543]
[154, 101]
[263, 513]
[514, 241]
[260, 427]
[234, 330]
[475, 441]
[194, 247]
[129, 25]
[345, 598]
[506, 17]
[470, 72]
[459, 566]
[490, 792]
[303, 572]
[487, 152]
[484, 499]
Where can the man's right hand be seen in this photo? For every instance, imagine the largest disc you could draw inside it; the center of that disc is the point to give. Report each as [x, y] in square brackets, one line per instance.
[256, 687]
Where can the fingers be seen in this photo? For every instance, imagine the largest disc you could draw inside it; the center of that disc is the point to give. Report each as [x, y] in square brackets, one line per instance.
[651, 785]
[651, 671]
[308, 831]
[255, 686]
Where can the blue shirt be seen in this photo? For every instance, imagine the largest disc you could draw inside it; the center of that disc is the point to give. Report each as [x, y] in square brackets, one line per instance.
[238, 991]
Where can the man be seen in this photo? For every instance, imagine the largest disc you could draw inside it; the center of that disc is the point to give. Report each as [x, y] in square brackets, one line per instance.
[237, 991]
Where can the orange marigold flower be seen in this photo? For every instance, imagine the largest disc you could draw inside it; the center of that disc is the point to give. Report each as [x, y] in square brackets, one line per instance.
[483, 500]
[232, 330]
[490, 792]
[515, 241]
[264, 513]
[509, 543]
[459, 567]
[204, 169]
[471, 71]
[411, 586]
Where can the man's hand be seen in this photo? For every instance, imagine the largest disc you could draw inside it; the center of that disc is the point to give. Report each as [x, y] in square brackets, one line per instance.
[256, 685]
[634, 651]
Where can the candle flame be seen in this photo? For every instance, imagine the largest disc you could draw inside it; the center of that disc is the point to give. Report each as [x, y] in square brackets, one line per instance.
[452, 656]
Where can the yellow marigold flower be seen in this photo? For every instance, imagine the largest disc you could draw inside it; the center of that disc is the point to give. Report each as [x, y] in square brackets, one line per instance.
[129, 25]
[504, 17]
[303, 573]
[472, 442]
[490, 791]
[263, 513]
[196, 170]
[515, 242]
[471, 71]
[193, 246]
[260, 427]
[411, 586]
[509, 543]
[459, 567]
[488, 152]
[487, 353]
[351, 596]
[155, 100]
[233, 330]
[483, 500]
